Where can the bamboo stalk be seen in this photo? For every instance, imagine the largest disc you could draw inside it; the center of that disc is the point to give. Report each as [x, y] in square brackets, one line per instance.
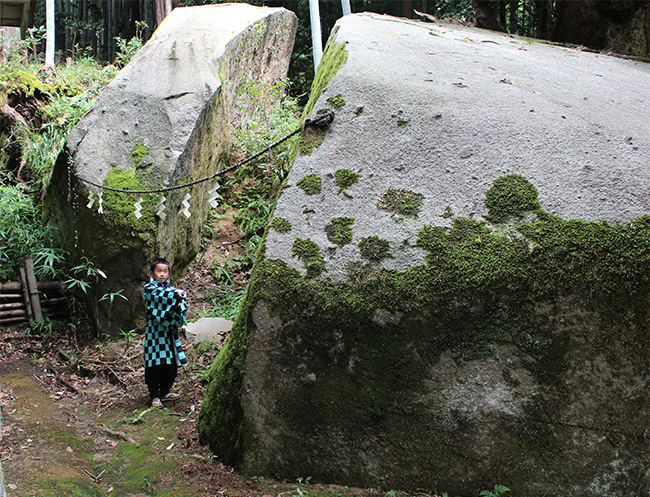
[14, 313]
[33, 289]
[12, 305]
[10, 286]
[53, 301]
[11, 296]
[25, 289]
[12, 320]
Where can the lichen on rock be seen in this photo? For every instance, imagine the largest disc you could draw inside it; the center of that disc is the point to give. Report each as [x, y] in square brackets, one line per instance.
[309, 253]
[339, 230]
[345, 178]
[511, 195]
[310, 184]
[402, 202]
[374, 248]
[280, 225]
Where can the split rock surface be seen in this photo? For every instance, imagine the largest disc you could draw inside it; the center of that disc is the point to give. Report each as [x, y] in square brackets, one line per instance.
[453, 291]
[164, 121]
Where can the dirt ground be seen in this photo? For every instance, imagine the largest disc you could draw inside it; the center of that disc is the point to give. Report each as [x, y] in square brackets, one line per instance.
[76, 419]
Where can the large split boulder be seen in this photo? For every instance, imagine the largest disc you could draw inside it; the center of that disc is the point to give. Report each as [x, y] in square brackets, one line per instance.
[164, 121]
[453, 291]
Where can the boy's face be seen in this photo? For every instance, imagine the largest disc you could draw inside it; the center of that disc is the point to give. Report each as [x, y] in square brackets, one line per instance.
[160, 272]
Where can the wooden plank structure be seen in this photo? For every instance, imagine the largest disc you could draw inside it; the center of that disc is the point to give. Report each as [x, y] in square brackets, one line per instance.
[27, 300]
[17, 13]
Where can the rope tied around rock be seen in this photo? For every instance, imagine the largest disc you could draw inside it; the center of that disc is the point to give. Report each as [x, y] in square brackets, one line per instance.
[322, 120]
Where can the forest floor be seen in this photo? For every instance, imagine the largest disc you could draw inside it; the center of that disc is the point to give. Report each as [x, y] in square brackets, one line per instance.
[76, 419]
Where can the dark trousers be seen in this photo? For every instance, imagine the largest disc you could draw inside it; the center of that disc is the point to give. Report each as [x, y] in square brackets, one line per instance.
[159, 379]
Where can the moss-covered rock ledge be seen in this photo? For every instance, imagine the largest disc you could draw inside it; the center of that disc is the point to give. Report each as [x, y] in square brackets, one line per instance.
[462, 298]
[517, 349]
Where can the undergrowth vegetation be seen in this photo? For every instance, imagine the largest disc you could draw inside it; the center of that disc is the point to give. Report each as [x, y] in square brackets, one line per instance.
[251, 190]
[39, 106]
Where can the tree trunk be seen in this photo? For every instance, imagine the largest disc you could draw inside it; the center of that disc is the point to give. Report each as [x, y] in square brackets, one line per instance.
[621, 26]
[485, 17]
[163, 8]
[407, 8]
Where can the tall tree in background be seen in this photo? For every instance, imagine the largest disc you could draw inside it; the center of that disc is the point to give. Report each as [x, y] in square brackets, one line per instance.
[622, 26]
[163, 8]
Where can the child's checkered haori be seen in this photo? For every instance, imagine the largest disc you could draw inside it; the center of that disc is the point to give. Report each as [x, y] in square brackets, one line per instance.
[163, 320]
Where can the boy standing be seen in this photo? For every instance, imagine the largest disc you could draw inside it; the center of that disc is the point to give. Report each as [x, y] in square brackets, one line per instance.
[166, 308]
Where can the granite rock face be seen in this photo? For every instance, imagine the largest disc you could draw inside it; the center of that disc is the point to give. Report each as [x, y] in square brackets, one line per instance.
[454, 288]
[164, 121]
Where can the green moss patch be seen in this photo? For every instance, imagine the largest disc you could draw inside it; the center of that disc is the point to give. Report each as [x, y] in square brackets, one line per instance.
[339, 231]
[280, 225]
[311, 140]
[345, 178]
[139, 152]
[475, 289]
[475, 292]
[337, 102]
[119, 208]
[309, 253]
[510, 195]
[310, 184]
[402, 202]
[374, 248]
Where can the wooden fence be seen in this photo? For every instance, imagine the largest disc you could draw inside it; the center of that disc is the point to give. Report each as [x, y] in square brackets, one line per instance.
[28, 300]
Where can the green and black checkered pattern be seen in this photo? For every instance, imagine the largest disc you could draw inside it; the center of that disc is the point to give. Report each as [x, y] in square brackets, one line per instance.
[162, 323]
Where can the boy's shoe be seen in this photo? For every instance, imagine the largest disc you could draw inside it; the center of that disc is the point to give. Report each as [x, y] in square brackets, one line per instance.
[171, 396]
[156, 403]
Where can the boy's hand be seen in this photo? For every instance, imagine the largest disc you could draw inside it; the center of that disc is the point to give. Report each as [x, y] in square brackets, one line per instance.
[181, 294]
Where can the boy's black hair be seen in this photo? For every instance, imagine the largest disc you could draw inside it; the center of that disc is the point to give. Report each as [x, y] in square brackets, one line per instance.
[158, 260]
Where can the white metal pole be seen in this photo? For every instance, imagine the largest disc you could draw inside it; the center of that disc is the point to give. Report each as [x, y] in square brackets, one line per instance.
[316, 38]
[49, 29]
[345, 6]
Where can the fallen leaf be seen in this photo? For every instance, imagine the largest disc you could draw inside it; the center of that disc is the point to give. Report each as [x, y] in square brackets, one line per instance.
[162, 439]
[12, 486]
[69, 449]
[170, 446]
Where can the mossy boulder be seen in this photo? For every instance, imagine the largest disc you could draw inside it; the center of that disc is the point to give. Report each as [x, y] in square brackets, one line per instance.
[484, 319]
[164, 121]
